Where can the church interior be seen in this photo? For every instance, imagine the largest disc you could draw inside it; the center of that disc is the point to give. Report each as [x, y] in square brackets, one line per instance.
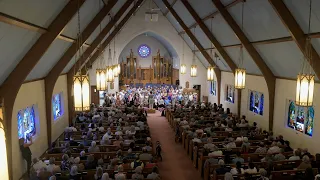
[203, 83]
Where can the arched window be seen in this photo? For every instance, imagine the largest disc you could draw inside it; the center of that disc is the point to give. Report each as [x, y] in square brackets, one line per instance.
[261, 104]
[251, 101]
[26, 122]
[57, 106]
[310, 120]
[291, 114]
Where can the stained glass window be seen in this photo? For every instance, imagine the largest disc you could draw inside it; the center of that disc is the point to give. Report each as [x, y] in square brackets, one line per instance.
[300, 118]
[230, 93]
[26, 123]
[256, 102]
[57, 106]
[213, 85]
[144, 50]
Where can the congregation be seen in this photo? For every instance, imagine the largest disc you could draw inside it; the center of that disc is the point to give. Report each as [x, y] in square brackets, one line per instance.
[224, 146]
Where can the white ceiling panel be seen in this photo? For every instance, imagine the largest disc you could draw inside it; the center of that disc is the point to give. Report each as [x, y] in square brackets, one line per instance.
[183, 13]
[227, 2]
[203, 7]
[248, 63]
[202, 38]
[222, 31]
[160, 5]
[14, 44]
[72, 61]
[174, 22]
[221, 63]
[88, 11]
[38, 12]
[202, 59]
[284, 59]
[189, 42]
[300, 10]
[49, 59]
[260, 21]
[96, 32]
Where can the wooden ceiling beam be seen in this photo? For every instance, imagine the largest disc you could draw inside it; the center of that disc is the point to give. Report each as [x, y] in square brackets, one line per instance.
[106, 42]
[296, 32]
[212, 15]
[32, 27]
[266, 71]
[52, 77]
[197, 43]
[171, 5]
[76, 67]
[210, 36]
[13, 82]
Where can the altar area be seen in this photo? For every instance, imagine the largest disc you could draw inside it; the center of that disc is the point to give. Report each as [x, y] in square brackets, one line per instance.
[161, 71]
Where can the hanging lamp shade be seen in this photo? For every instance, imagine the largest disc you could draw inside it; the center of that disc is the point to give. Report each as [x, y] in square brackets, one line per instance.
[115, 71]
[183, 69]
[210, 73]
[305, 89]
[81, 90]
[110, 75]
[101, 79]
[193, 71]
[240, 79]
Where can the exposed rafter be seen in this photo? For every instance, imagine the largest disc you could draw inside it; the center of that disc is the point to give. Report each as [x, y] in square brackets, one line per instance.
[210, 36]
[171, 5]
[32, 27]
[106, 42]
[197, 43]
[53, 75]
[267, 73]
[212, 15]
[13, 82]
[296, 32]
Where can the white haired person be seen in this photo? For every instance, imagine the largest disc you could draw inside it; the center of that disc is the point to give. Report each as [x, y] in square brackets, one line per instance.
[305, 163]
[138, 174]
[120, 175]
[105, 176]
[99, 173]
[93, 148]
[74, 173]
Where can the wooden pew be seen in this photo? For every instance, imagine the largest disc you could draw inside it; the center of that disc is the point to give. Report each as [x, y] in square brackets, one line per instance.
[289, 174]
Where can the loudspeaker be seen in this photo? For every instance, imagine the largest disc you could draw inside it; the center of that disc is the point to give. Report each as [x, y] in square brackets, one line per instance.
[177, 82]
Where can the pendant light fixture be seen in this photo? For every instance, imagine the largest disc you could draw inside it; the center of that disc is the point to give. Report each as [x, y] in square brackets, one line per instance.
[110, 75]
[183, 67]
[101, 71]
[305, 79]
[81, 85]
[210, 70]
[193, 72]
[115, 67]
[240, 73]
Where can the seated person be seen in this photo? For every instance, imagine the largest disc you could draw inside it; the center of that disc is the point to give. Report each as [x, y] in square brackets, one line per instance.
[120, 175]
[245, 145]
[211, 160]
[261, 149]
[53, 149]
[296, 155]
[238, 158]
[138, 174]
[91, 163]
[251, 169]
[38, 165]
[280, 156]
[137, 163]
[274, 149]
[145, 156]
[51, 167]
[210, 146]
[305, 163]
[238, 169]
[222, 169]
[93, 148]
[154, 175]
[74, 175]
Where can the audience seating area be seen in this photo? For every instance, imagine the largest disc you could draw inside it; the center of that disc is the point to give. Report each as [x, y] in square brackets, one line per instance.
[229, 139]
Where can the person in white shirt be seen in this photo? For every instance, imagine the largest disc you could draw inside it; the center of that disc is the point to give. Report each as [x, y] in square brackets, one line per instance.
[210, 146]
[274, 149]
[238, 169]
[251, 169]
[295, 155]
[52, 168]
[101, 128]
[38, 165]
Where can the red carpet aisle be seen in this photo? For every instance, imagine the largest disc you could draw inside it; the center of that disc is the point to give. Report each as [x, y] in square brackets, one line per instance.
[176, 164]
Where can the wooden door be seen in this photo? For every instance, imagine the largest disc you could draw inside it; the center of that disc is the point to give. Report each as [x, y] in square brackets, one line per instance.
[94, 95]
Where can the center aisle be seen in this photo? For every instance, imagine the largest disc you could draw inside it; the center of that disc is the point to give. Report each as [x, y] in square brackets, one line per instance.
[176, 165]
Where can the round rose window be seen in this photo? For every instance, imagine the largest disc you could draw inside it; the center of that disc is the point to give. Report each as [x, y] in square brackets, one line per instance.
[144, 51]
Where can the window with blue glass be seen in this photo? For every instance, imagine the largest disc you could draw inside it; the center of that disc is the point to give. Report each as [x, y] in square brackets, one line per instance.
[256, 102]
[57, 109]
[300, 118]
[213, 85]
[144, 50]
[230, 92]
[26, 122]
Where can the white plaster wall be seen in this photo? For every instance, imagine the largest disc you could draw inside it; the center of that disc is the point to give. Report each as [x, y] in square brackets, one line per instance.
[59, 125]
[137, 25]
[29, 94]
[154, 45]
[285, 90]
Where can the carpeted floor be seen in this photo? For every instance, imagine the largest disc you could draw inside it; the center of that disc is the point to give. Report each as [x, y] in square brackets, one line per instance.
[176, 165]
